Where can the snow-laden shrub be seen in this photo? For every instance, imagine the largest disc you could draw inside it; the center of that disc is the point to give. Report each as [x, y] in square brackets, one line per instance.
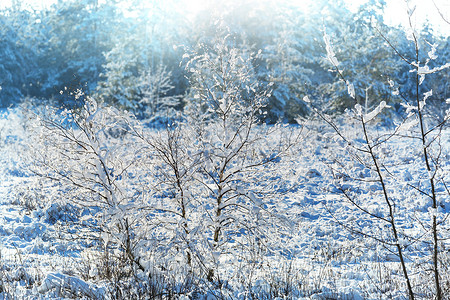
[193, 201]
[236, 158]
[87, 152]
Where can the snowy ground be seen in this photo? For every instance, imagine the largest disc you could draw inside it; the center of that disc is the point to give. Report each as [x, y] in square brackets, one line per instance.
[39, 260]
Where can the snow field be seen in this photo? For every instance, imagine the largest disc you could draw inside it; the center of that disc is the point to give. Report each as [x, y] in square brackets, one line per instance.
[317, 244]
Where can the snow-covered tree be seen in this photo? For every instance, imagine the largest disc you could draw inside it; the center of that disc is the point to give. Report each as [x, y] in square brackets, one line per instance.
[357, 43]
[16, 58]
[140, 67]
[77, 33]
[287, 64]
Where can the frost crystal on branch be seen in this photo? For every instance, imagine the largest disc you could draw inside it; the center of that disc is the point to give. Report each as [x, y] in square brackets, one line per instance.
[432, 53]
[351, 90]
[330, 53]
[369, 116]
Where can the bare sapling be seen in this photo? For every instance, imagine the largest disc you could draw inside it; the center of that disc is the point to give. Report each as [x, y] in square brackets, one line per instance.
[367, 152]
[430, 128]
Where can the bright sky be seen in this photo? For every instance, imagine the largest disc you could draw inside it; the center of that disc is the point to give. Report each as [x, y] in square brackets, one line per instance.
[395, 12]
[36, 4]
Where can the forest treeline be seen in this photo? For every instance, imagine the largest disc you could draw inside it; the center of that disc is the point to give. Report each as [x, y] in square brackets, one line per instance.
[135, 54]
